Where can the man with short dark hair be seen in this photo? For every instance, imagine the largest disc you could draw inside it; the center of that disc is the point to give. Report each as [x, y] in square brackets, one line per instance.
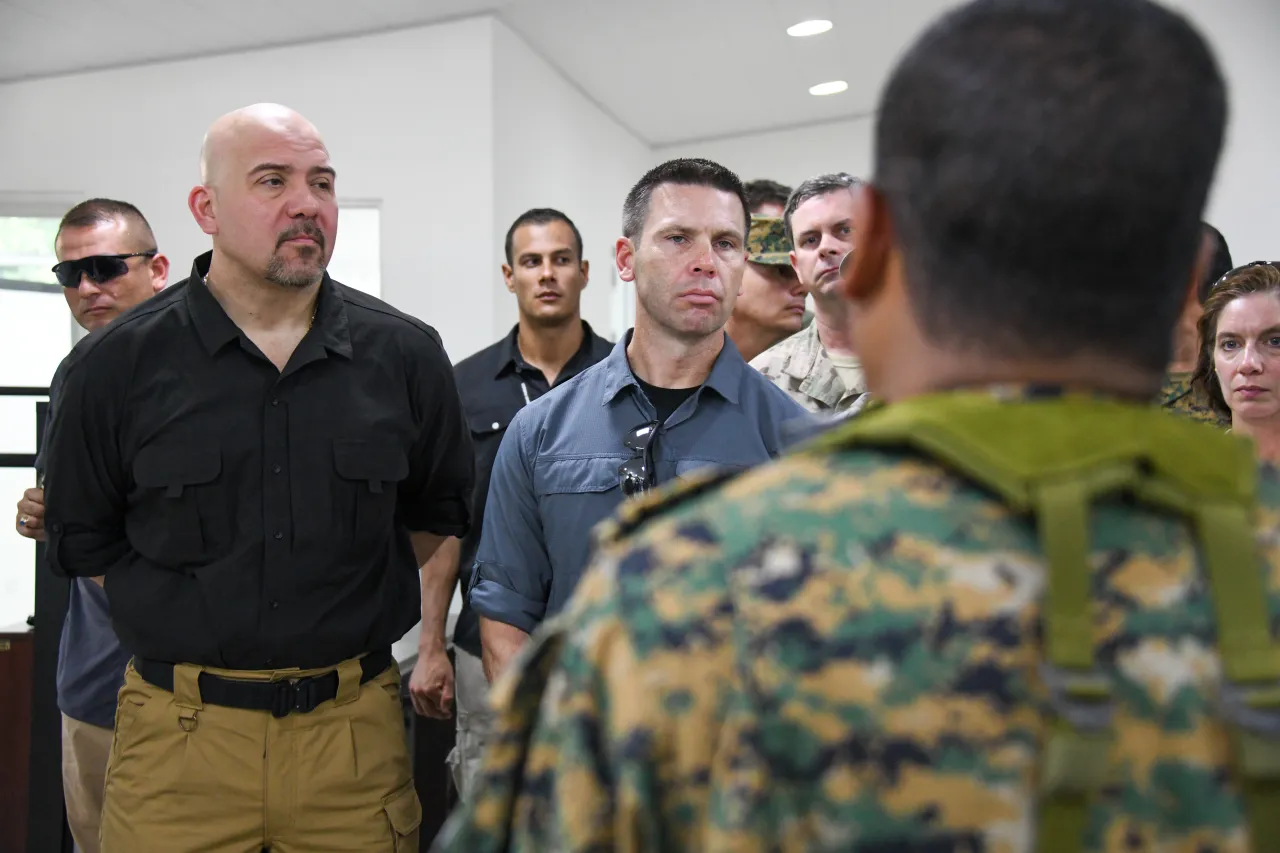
[817, 366]
[259, 460]
[1018, 608]
[766, 197]
[549, 345]
[1179, 394]
[770, 305]
[674, 396]
[108, 262]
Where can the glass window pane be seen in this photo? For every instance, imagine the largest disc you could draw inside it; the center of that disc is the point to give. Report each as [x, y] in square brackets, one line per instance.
[17, 428]
[35, 334]
[17, 554]
[357, 256]
[26, 248]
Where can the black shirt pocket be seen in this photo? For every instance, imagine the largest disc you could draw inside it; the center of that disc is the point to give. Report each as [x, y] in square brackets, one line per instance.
[487, 428]
[175, 526]
[370, 473]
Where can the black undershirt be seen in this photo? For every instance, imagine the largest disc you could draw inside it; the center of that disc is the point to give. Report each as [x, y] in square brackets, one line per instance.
[665, 400]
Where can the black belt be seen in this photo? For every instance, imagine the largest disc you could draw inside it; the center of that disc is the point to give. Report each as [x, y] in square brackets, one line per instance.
[281, 698]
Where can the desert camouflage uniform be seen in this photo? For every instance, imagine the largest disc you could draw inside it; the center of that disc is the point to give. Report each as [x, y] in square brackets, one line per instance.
[799, 365]
[838, 652]
[1178, 395]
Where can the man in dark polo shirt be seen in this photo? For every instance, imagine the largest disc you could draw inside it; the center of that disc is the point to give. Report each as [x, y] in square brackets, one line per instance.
[549, 345]
[107, 263]
[260, 459]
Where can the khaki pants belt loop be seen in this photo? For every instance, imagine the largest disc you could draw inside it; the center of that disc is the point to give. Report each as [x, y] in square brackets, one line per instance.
[186, 686]
[349, 674]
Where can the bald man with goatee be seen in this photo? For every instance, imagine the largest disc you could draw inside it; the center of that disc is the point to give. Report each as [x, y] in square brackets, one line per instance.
[262, 458]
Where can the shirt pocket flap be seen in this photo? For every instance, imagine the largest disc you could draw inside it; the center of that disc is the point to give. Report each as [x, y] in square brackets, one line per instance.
[372, 462]
[685, 467]
[576, 476]
[172, 468]
[488, 421]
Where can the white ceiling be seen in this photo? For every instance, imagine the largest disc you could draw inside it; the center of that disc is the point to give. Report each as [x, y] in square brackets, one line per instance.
[670, 70]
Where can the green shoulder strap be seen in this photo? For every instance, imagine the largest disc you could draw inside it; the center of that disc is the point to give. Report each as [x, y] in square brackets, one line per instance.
[1053, 458]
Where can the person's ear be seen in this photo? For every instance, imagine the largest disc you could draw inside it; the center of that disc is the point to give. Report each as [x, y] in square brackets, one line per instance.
[625, 257]
[863, 270]
[200, 201]
[159, 268]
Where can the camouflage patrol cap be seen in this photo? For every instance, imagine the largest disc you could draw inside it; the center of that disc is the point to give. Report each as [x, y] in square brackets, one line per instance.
[767, 242]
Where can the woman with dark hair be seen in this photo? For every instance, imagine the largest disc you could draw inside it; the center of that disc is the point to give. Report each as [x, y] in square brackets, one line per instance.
[1239, 363]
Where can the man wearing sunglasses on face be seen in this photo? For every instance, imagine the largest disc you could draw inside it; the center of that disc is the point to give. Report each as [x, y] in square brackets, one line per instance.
[674, 397]
[107, 263]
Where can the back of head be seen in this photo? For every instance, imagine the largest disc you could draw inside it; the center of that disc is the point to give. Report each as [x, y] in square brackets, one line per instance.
[1219, 262]
[764, 194]
[1046, 163]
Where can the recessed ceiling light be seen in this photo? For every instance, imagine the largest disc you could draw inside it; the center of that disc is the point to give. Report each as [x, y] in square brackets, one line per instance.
[808, 28]
[835, 87]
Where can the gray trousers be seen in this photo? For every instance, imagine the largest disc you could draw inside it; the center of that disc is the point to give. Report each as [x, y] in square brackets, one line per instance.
[475, 721]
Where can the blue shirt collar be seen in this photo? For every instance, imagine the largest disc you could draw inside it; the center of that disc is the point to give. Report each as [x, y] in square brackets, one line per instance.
[725, 378]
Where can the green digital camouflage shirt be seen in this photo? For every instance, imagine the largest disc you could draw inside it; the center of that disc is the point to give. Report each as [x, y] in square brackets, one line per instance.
[838, 652]
[1180, 396]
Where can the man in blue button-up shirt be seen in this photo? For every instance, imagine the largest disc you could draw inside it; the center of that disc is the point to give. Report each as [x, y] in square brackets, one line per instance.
[673, 396]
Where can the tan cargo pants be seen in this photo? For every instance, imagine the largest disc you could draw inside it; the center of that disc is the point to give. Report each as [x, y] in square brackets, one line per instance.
[186, 777]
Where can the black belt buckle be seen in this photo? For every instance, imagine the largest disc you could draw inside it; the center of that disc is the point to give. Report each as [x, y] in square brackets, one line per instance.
[302, 696]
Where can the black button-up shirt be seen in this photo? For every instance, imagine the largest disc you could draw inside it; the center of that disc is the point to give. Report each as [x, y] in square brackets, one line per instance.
[495, 383]
[248, 517]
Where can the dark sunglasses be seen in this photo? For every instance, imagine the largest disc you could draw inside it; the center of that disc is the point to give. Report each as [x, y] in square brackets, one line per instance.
[99, 268]
[1250, 265]
[636, 476]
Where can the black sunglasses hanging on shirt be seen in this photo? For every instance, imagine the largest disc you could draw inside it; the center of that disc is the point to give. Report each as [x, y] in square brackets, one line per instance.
[99, 268]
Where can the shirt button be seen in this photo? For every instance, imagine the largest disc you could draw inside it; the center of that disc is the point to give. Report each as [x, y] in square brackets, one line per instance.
[495, 425]
[275, 401]
[275, 605]
[279, 534]
[275, 469]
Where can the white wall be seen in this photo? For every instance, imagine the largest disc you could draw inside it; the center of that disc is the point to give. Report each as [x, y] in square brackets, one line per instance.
[1243, 204]
[788, 156]
[553, 147]
[1245, 35]
[423, 150]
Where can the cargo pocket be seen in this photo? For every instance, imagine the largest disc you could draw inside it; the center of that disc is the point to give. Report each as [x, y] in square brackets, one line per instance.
[404, 813]
[372, 472]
